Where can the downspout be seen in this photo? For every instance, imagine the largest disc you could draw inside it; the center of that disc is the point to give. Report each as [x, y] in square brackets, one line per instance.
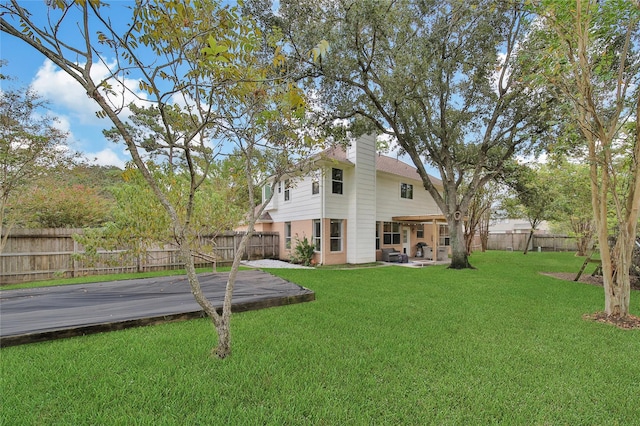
[322, 204]
[436, 238]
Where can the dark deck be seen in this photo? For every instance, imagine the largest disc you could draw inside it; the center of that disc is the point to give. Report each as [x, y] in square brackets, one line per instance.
[47, 313]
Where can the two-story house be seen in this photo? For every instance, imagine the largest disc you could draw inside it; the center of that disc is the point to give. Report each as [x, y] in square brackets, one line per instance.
[354, 203]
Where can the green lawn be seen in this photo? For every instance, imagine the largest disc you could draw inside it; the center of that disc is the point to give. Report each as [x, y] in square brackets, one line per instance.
[391, 345]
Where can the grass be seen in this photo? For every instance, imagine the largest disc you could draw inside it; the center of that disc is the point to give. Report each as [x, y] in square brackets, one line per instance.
[498, 345]
[103, 278]
[351, 266]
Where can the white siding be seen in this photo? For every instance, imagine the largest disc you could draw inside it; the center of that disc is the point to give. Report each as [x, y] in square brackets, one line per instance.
[337, 205]
[367, 196]
[302, 203]
[389, 203]
[361, 231]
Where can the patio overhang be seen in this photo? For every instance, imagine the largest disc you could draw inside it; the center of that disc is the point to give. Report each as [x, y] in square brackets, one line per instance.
[429, 218]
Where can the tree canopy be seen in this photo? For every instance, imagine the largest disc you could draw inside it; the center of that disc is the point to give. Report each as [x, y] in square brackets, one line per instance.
[589, 56]
[448, 80]
[194, 61]
[534, 196]
[31, 147]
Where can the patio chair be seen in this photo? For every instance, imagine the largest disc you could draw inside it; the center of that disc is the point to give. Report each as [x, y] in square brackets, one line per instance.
[390, 255]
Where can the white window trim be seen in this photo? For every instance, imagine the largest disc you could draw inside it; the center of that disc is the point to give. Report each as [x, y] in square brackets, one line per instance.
[287, 235]
[335, 180]
[340, 238]
[392, 233]
[287, 190]
[315, 183]
[444, 236]
[407, 185]
[317, 239]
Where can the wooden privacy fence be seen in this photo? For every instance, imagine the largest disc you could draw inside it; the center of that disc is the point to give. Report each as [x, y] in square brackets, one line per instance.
[517, 242]
[40, 254]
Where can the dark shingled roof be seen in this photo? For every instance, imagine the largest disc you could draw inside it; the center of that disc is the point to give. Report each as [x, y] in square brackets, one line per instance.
[336, 153]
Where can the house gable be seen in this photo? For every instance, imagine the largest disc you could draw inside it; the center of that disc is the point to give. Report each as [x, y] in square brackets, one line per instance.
[357, 187]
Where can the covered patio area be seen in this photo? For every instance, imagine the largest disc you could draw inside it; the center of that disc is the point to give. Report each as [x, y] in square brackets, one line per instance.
[427, 239]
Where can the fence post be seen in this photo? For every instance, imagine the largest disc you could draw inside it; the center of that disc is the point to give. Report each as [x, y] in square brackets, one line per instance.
[74, 261]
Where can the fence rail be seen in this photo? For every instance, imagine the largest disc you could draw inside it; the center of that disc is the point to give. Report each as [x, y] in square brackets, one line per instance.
[518, 241]
[40, 254]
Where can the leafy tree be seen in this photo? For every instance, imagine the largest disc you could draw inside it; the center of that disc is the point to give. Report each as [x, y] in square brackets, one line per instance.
[186, 55]
[101, 178]
[589, 53]
[534, 197]
[52, 205]
[448, 80]
[69, 197]
[574, 211]
[139, 222]
[30, 148]
[479, 215]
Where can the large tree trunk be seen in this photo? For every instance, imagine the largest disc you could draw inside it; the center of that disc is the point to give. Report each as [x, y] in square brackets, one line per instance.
[459, 258]
[194, 283]
[616, 277]
[616, 260]
[223, 349]
[223, 324]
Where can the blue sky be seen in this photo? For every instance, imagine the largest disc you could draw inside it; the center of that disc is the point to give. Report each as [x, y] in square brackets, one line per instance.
[67, 99]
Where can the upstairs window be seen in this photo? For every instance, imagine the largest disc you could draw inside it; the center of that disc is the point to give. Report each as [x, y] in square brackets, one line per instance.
[406, 191]
[315, 184]
[287, 187]
[336, 181]
[266, 192]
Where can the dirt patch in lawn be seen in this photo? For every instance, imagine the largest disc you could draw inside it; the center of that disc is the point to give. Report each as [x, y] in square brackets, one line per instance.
[629, 322]
[588, 278]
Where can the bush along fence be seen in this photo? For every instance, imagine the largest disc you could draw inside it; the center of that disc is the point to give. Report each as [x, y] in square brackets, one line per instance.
[40, 254]
[541, 242]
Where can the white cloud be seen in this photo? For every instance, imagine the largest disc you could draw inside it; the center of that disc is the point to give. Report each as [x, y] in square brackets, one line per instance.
[58, 121]
[63, 91]
[541, 158]
[62, 123]
[106, 157]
